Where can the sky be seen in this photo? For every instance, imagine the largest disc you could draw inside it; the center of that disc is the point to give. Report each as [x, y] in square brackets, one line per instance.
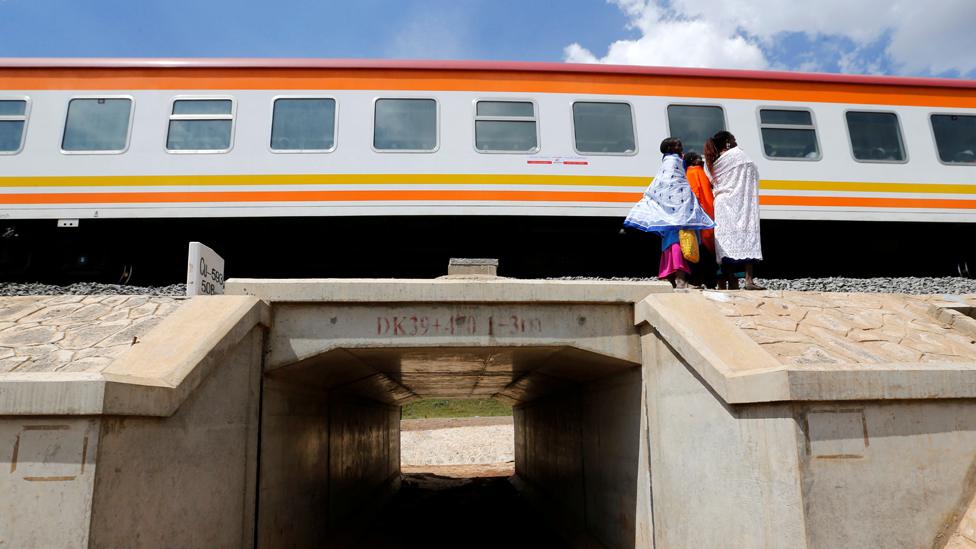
[900, 37]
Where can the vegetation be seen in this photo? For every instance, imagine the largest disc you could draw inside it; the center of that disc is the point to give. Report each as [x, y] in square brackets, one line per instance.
[438, 407]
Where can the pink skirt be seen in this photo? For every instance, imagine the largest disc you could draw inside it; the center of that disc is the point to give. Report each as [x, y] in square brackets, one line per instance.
[673, 260]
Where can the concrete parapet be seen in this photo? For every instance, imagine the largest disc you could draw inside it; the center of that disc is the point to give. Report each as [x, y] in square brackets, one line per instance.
[98, 454]
[151, 374]
[809, 420]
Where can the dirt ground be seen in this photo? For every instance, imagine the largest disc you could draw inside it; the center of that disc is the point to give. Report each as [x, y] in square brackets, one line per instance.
[451, 422]
[434, 512]
[505, 469]
[428, 444]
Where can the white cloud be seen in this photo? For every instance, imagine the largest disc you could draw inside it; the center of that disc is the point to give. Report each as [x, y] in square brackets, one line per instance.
[693, 43]
[912, 36]
[429, 33]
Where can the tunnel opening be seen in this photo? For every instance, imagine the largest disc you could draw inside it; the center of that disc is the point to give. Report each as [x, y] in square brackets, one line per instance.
[575, 433]
[338, 371]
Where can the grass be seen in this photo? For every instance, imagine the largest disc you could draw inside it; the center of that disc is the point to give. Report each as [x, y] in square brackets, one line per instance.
[438, 408]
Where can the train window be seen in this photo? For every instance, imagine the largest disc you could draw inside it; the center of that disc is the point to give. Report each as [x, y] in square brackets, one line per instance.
[303, 124]
[604, 128]
[875, 136]
[97, 124]
[200, 125]
[13, 120]
[693, 124]
[788, 134]
[405, 125]
[505, 126]
[955, 137]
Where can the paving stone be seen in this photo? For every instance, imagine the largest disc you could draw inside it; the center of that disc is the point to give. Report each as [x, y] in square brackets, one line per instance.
[115, 300]
[927, 343]
[33, 351]
[778, 323]
[809, 328]
[88, 313]
[146, 309]
[52, 312]
[864, 319]
[827, 319]
[87, 364]
[17, 336]
[69, 333]
[136, 329]
[763, 336]
[47, 362]
[745, 323]
[93, 351]
[81, 337]
[893, 352]
[134, 301]
[63, 299]
[933, 357]
[10, 364]
[14, 308]
[115, 316]
[843, 346]
[814, 354]
[743, 308]
[880, 334]
[782, 307]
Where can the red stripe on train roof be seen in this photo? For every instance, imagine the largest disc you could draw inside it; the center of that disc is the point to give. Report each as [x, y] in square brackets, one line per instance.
[516, 66]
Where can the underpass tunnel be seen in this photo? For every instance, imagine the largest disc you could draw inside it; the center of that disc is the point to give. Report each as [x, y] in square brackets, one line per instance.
[330, 428]
[330, 440]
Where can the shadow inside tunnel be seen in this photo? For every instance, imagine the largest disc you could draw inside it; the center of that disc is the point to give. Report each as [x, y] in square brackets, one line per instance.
[433, 512]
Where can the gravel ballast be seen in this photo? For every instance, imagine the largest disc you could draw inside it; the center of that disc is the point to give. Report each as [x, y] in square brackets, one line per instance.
[894, 285]
[88, 288]
[898, 285]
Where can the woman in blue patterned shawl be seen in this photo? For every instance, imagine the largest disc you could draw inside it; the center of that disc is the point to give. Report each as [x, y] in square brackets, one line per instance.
[668, 206]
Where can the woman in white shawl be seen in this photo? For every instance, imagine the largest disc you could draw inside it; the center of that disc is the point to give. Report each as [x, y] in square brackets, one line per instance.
[668, 205]
[735, 184]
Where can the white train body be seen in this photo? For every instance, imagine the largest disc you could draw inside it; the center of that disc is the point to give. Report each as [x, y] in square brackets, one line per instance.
[145, 180]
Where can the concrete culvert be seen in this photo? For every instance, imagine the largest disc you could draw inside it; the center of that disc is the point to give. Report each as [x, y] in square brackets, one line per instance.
[272, 417]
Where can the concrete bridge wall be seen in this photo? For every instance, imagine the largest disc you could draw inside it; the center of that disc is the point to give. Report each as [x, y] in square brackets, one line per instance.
[577, 457]
[328, 461]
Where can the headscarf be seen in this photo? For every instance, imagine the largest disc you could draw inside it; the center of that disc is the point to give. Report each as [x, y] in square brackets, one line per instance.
[668, 203]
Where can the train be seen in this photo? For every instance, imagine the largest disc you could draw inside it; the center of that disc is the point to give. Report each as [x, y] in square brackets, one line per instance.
[306, 167]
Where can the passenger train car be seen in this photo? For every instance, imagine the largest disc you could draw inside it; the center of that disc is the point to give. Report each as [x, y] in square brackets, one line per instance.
[128, 156]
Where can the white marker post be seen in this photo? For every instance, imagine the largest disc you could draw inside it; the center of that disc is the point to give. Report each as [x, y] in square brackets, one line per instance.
[204, 271]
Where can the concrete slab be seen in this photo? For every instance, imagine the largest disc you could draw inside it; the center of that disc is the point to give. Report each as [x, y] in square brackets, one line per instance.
[82, 334]
[150, 371]
[486, 290]
[812, 420]
[787, 346]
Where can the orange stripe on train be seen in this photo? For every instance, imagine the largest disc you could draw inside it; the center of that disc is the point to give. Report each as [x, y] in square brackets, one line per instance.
[150, 198]
[314, 196]
[717, 87]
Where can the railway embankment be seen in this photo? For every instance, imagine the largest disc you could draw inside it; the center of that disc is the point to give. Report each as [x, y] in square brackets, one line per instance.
[270, 418]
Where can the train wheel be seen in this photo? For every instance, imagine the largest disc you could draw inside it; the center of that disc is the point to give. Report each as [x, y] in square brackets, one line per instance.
[16, 256]
[962, 267]
[126, 274]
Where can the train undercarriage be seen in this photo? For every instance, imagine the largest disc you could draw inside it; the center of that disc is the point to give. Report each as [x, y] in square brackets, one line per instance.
[153, 251]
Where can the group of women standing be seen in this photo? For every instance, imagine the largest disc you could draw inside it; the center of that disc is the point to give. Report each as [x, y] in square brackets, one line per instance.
[720, 216]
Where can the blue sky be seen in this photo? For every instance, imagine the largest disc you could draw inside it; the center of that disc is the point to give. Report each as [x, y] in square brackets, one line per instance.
[855, 36]
[459, 29]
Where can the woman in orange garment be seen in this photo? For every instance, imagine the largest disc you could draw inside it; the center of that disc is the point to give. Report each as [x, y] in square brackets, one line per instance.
[705, 272]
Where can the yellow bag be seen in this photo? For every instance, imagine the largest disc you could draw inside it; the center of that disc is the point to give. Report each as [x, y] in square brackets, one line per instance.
[689, 245]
